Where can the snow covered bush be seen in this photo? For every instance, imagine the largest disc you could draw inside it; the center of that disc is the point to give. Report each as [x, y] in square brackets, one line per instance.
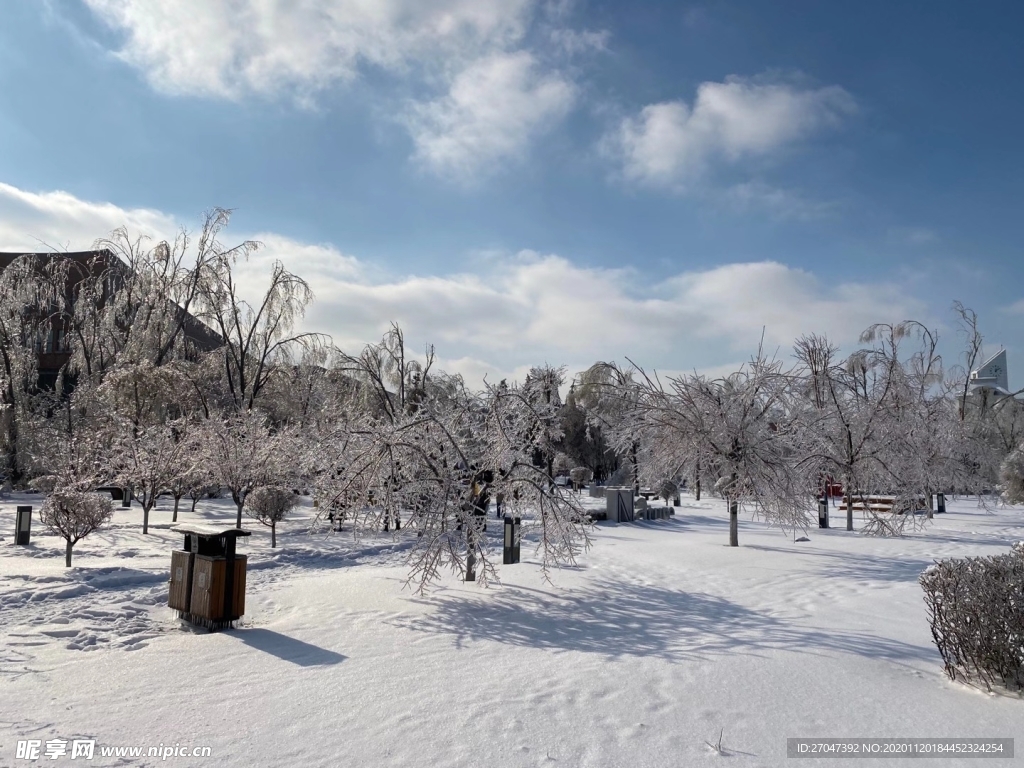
[73, 515]
[269, 505]
[976, 611]
[1012, 475]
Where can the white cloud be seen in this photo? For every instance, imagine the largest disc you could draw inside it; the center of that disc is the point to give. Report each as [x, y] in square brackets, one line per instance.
[228, 49]
[1017, 308]
[485, 96]
[32, 221]
[776, 202]
[914, 235]
[670, 143]
[508, 314]
[491, 112]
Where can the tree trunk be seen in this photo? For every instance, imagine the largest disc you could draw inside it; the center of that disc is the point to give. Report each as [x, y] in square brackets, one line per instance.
[636, 468]
[67, 553]
[195, 500]
[849, 507]
[145, 518]
[734, 523]
[174, 519]
[273, 535]
[696, 481]
[239, 502]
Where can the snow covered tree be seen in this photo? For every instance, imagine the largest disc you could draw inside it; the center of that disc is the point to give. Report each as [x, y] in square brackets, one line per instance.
[74, 514]
[269, 505]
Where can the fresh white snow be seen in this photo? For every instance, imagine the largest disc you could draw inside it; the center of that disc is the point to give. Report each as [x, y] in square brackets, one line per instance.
[658, 640]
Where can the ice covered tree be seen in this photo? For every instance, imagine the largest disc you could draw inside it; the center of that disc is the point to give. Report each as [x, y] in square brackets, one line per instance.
[73, 514]
[258, 338]
[608, 394]
[580, 476]
[667, 490]
[270, 505]
[434, 454]
[855, 434]
[581, 439]
[887, 421]
[745, 432]
[31, 306]
[148, 460]
[243, 453]
[1012, 476]
[136, 300]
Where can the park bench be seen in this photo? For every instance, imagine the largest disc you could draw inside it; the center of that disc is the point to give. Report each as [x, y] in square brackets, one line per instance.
[884, 504]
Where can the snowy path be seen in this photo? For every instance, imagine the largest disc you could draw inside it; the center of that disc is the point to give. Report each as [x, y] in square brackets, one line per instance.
[658, 640]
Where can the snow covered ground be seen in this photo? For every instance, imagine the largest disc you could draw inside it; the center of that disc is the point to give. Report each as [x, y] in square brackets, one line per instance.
[659, 640]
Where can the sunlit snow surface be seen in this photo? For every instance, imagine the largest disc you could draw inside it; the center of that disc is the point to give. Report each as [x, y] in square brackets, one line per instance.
[659, 639]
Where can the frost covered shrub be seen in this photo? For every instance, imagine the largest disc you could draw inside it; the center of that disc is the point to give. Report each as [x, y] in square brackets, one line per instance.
[269, 505]
[976, 611]
[580, 476]
[667, 490]
[1012, 475]
[73, 515]
[621, 476]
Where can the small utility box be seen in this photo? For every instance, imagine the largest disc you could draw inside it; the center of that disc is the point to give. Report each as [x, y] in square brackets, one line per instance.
[23, 526]
[619, 504]
[207, 584]
[940, 501]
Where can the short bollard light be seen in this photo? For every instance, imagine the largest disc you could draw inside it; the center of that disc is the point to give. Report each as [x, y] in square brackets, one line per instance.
[823, 512]
[23, 526]
[510, 551]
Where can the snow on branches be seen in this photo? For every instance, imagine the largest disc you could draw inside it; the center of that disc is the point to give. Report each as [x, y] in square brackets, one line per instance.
[433, 456]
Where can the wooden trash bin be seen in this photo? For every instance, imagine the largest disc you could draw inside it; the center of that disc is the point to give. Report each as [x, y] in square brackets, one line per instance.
[180, 584]
[207, 585]
[210, 597]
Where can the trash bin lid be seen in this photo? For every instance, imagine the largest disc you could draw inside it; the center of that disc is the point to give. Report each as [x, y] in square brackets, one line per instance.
[210, 530]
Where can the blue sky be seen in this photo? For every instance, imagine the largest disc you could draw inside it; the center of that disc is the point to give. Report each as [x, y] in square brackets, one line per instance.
[528, 181]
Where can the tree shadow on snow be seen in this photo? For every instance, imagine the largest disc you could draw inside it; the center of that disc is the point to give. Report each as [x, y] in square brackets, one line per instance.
[858, 567]
[287, 648]
[618, 620]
